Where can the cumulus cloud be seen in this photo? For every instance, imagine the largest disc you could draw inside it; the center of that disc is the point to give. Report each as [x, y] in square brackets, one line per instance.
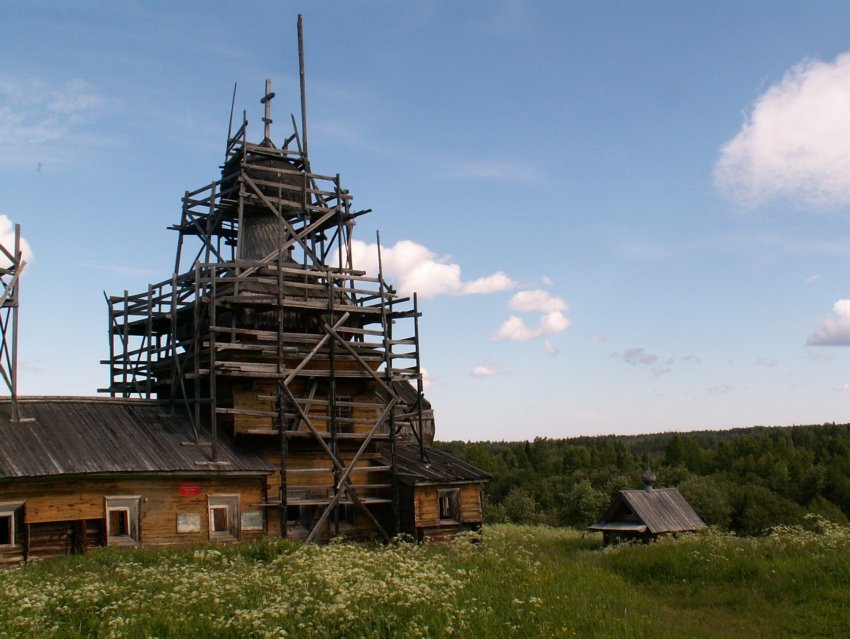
[413, 267]
[488, 369]
[515, 329]
[537, 300]
[833, 331]
[7, 239]
[795, 141]
[552, 319]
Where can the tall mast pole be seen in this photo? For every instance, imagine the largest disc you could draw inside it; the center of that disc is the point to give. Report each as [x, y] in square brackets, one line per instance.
[303, 90]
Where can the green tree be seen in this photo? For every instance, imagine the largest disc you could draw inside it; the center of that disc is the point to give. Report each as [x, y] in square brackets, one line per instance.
[582, 505]
[521, 507]
[709, 498]
[756, 508]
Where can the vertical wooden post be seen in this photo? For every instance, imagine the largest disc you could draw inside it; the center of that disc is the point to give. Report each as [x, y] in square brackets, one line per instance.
[281, 400]
[149, 342]
[211, 270]
[303, 79]
[14, 301]
[196, 348]
[126, 336]
[387, 325]
[110, 312]
[333, 426]
[419, 382]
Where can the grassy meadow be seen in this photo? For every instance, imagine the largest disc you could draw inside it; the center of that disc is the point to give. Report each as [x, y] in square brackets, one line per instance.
[511, 581]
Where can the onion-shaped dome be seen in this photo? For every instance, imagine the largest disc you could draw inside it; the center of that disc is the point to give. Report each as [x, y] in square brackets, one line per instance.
[648, 478]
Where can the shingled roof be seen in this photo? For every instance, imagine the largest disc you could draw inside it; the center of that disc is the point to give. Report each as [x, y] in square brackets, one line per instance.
[656, 511]
[439, 467]
[98, 435]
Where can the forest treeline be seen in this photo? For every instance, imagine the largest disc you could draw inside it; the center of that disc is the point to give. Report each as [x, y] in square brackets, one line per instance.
[743, 480]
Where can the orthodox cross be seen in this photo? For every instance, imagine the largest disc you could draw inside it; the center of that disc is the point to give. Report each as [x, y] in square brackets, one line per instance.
[266, 100]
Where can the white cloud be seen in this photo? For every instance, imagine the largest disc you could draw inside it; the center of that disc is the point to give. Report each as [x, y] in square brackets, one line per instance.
[833, 332]
[515, 329]
[537, 300]
[551, 348]
[7, 239]
[599, 339]
[552, 319]
[546, 280]
[428, 381]
[811, 279]
[795, 142]
[413, 268]
[488, 369]
[554, 322]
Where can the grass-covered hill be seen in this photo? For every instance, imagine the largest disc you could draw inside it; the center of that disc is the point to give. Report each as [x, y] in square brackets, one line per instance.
[744, 480]
[512, 581]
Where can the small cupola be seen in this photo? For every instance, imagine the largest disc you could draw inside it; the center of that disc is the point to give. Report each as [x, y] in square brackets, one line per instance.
[648, 478]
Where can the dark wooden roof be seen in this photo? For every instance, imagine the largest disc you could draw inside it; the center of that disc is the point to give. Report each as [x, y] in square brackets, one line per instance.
[661, 510]
[439, 467]
[79, 435]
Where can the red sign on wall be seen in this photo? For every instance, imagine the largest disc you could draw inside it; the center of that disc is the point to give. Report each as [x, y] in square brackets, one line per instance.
[190, 490]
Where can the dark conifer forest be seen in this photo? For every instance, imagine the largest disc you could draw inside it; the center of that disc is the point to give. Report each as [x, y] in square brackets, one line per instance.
[742, 480]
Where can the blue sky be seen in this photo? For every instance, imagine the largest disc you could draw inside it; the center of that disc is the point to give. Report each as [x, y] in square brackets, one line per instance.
[621, 217]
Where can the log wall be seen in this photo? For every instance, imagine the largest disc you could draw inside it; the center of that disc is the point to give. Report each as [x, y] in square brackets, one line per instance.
[426, 510]
[67, 514]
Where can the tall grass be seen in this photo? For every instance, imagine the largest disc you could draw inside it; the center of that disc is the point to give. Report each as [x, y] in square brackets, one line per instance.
[511, 581]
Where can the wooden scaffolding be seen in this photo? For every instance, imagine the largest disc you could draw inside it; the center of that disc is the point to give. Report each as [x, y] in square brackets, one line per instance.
[267, 330]
[11, 268]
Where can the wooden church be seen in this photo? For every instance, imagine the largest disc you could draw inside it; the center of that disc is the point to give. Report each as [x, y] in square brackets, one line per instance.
[644, 515]
[268, 387]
